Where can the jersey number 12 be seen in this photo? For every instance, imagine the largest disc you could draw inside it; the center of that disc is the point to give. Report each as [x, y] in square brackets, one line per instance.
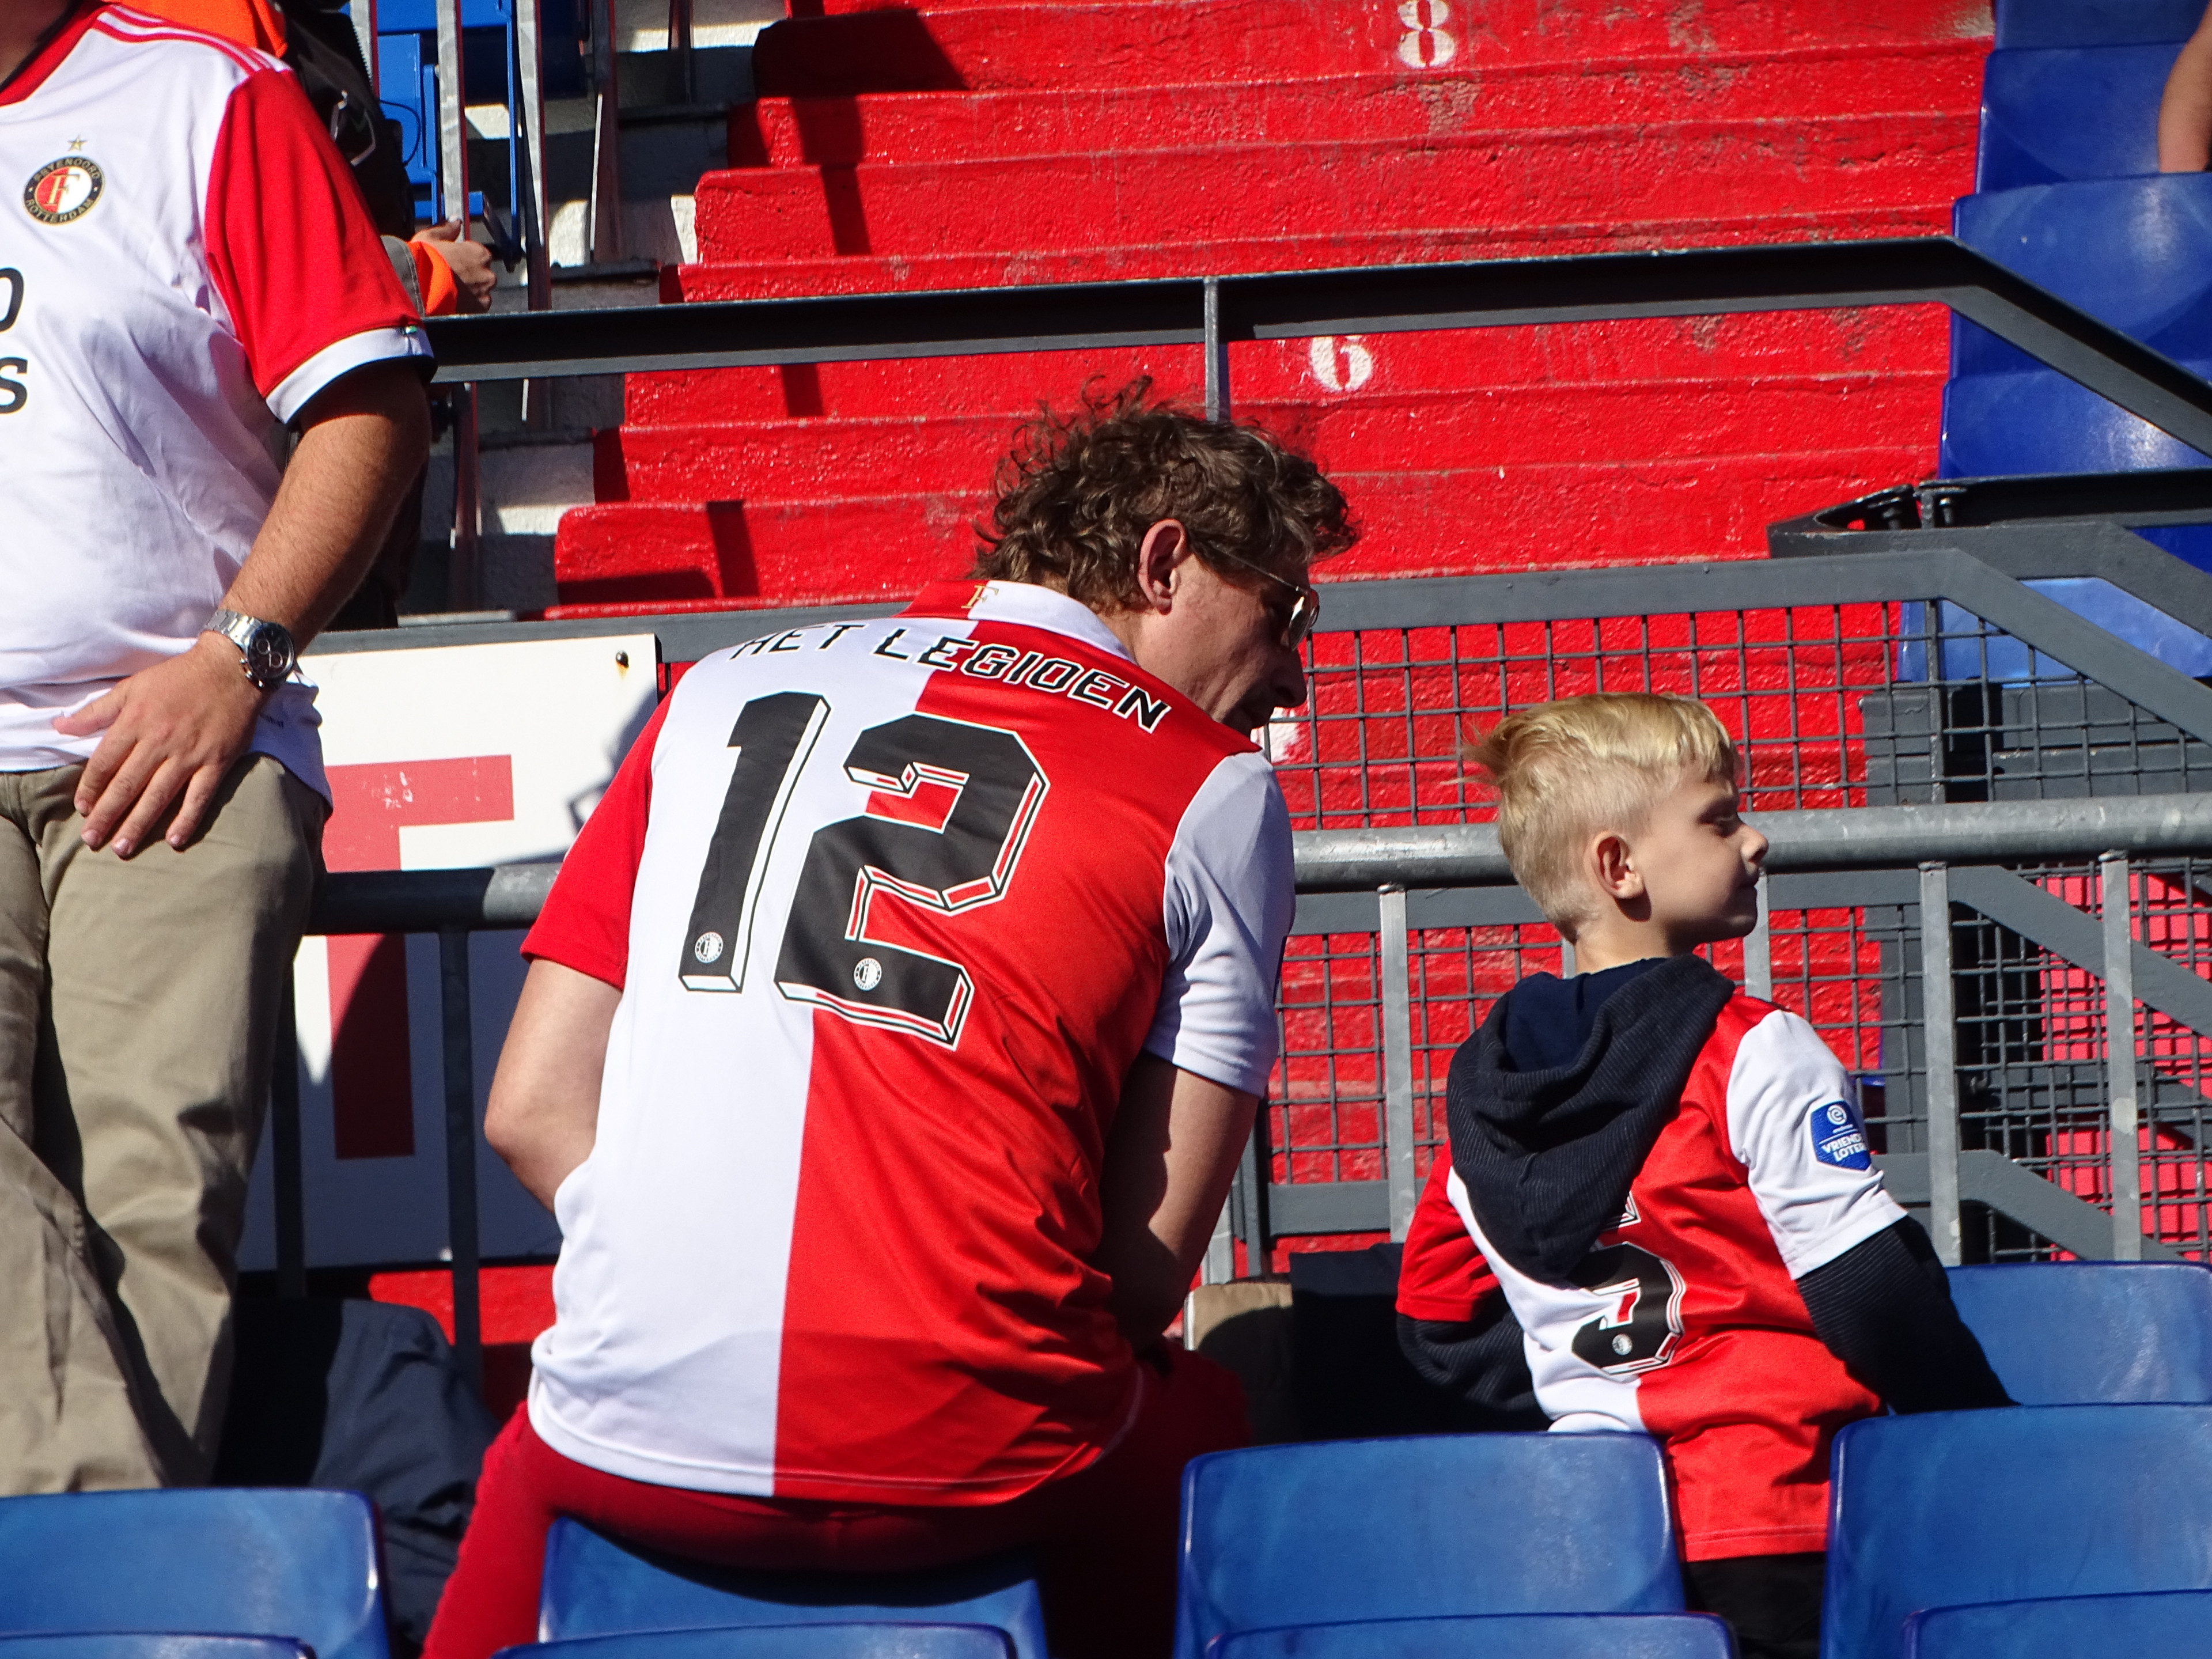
[828, 956]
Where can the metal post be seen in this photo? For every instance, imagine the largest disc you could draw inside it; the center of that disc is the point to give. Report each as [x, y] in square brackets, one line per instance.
[1759, 953]
[1939, 1041]
[2120, 1056]
[530, 94]
[1397, 1060]
[464, 576]
[1252, 1172]
[453, 115]
[607, 139]
[364, 34]
[284, 1149]
[1219, 1265]
[1217, 356]
[680, 49]
[1567, 957]
[461, 1149]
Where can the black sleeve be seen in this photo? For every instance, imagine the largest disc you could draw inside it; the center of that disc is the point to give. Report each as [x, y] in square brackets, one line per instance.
[1883, 1307]
[1478, 1365]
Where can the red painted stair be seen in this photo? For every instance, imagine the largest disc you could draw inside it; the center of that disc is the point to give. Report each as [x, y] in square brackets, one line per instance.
[978, 145]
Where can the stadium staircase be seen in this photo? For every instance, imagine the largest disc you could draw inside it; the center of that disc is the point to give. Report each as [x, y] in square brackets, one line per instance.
[962, 145]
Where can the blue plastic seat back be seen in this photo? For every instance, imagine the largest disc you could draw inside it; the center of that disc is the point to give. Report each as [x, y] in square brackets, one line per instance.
[2168, 1624]
[2085, 1333]
[2059, 114]
[2133, 253]
[1958, 1507]
[264, 1561]
[870, 1640]
[1501, 1636]
[1423, 1527]
[2094, 22]
[597, 1587]
[148, 1645]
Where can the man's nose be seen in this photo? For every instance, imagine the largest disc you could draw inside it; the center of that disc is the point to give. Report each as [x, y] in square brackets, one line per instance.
[1289, 684]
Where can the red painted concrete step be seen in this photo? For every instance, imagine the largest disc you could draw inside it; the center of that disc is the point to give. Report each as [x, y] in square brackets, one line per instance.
[1429, 522]
[1653, 173]
[1317, 373]
[1556, 423]
[737, 277]
[992, 48]
[1806, 83]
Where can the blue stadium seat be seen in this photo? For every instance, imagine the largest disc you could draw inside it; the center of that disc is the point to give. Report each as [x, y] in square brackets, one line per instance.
[2135, 252]
[1423, 1527]
[150, 1644]
[1958, 1507]
[818, 1641]
[596, 1587]
[1503, 1636]
[2094, 22]
[2169, 1625]
[2052, 116]
[247, 1563]
[2087, 1333]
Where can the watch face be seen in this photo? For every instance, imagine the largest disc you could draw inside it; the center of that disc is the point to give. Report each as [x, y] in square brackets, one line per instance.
[269, 653]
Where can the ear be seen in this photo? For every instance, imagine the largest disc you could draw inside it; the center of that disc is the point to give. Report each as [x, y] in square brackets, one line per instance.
[1158, 554]
[1611, 865]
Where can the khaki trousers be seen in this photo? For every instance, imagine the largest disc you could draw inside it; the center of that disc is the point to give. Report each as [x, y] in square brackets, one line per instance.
[138, 1005]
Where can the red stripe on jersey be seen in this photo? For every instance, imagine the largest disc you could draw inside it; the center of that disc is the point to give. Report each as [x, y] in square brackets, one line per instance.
[964, 1350]
[1749, 1399]
[118, 23]
[298, 264]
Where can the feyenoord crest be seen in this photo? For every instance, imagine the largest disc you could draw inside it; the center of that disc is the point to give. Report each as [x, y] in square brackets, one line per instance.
[62, 190]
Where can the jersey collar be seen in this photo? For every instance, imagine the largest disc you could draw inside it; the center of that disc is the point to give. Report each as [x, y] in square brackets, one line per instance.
[48, 58]
[1024, 603]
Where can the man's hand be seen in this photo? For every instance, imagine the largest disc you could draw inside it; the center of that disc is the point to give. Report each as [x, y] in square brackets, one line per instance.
[172, 730]
[471, 262]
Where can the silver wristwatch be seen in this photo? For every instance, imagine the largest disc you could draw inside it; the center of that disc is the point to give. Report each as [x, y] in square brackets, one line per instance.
[265, 651]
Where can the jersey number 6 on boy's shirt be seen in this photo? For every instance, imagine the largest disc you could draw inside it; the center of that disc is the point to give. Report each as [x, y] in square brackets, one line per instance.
[971, 794]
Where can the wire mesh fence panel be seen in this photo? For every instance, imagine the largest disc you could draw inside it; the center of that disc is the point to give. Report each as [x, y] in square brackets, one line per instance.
[1848, 705]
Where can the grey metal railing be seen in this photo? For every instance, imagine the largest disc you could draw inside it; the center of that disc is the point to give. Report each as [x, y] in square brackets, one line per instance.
[1392, 883]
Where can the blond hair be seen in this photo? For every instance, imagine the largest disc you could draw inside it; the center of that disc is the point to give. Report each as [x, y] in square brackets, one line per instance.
[1569, 770]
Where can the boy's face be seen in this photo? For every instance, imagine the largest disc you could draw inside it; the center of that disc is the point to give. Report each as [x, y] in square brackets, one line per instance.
[1699, 862]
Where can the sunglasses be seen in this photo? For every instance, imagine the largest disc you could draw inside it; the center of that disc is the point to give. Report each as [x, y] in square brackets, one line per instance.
[1305, 609]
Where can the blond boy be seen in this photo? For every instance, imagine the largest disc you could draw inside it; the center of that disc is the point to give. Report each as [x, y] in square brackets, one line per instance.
[1661, 1186]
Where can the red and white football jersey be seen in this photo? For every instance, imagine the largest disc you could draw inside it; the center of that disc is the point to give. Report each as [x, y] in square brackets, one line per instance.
[186, 263]
[1687, 1324]
[894, 906]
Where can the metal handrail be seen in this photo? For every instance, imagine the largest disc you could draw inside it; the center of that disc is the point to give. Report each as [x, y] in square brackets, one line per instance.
[1214, 312]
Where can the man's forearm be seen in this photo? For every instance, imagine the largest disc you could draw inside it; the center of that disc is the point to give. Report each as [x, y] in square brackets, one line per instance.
[364, 441]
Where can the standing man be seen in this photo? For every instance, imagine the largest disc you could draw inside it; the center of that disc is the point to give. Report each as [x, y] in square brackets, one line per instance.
[189, 287]
[895, 1027]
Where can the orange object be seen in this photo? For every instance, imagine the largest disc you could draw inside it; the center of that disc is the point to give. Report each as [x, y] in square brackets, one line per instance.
[255, 23]
[433, 278]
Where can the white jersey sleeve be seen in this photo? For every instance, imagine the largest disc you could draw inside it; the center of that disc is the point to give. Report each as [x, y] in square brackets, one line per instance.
[1227, 907]
[1793, 1121]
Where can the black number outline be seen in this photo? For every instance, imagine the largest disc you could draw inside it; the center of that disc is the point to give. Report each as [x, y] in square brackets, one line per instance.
[1652, 1326]
[800, 975]
[774, 737]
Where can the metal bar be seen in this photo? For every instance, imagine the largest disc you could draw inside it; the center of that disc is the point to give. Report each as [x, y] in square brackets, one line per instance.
[1252, 1183]
[1219, 1265]
[1397, 1011]
[1284, 304]
[1991, 1178]
[461, 1231]
[530, 94]
[1940, 1046]
[284, 1149]
[605, 210]
[2113, 894]
[464, 576]
[1758, 949]
[452, 116]
[1217, 356]
[363, 15]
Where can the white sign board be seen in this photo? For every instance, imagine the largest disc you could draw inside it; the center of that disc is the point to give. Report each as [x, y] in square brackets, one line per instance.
[439, 757]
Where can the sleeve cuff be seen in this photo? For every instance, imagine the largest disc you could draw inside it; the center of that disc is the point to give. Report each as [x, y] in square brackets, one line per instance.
[375, 345]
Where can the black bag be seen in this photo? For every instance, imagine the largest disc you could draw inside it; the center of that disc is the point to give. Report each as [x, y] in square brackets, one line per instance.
[323, 52]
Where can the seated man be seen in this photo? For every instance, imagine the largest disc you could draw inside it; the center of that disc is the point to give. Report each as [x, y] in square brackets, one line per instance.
[1660, 1208]
[892, 1033]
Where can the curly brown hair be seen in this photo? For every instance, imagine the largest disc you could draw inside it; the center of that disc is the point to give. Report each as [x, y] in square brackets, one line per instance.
[1078, 492]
